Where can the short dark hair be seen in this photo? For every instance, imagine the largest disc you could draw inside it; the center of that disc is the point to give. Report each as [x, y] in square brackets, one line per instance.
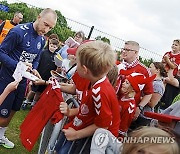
[54, 41]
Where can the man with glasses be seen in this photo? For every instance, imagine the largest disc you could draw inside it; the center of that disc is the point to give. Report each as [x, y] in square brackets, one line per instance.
[132, 64]
[8, 24]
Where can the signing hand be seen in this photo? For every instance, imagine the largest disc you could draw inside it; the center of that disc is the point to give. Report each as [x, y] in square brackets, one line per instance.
[36, 73]
[29, 66]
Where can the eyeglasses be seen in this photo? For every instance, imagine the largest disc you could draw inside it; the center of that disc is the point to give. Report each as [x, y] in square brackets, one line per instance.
[127, 50]
[20, 17]
[78, 36]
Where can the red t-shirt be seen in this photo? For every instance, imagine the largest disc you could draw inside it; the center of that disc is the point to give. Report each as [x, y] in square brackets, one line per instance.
[99, 106]
[127, 111]
[81, 85]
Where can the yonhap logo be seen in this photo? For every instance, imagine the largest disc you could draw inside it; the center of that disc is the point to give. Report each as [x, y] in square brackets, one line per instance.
[101, 139]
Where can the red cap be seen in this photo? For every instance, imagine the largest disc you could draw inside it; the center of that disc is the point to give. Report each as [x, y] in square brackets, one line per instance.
[162, 117]
[72, 51]
[138, 80]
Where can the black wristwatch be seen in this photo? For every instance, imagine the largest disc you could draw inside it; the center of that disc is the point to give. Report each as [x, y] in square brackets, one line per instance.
[141, 107]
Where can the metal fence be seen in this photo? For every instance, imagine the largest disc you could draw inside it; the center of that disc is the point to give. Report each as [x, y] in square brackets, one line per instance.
[116, 43]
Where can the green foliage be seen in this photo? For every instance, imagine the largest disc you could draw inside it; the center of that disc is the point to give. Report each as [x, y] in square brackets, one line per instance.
[118, 55]
[103, 39]
[146, 62]
[30, 14]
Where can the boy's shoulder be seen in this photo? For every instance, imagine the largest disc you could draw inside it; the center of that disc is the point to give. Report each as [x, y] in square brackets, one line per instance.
[103, 86]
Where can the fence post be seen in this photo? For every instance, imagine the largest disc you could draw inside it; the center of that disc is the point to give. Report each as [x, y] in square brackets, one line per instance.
[91, 30]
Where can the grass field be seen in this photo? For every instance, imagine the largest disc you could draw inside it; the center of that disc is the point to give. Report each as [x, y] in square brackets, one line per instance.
[13, 135]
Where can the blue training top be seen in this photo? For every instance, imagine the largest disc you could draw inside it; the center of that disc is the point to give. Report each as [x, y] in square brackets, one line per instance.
[21, 44]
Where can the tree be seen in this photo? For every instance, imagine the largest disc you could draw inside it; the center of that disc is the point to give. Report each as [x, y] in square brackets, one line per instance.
[146, 62]
[104, 39]
[30, 14]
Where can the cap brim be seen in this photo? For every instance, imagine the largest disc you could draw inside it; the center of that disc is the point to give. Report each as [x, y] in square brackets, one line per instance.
[72, 51]
[162, 117]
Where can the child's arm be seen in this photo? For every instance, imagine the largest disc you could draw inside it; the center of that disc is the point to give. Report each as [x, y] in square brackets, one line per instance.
[170, 63]
[71, 134]
[41, 82]
[10, 87]
[68, 88]
[64, 108]
[171, 79]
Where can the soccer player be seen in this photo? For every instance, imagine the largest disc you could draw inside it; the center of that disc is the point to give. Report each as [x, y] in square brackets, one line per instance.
[23, 43]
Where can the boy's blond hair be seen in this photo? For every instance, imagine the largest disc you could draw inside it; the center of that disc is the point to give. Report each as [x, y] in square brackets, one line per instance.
[150, 132]
[113, 75]
[97, 56]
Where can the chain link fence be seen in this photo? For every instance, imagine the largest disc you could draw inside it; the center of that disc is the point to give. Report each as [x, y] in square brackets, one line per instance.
[117, 43]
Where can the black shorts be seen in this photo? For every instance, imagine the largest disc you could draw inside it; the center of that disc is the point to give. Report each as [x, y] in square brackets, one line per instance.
[13, 101]
[39, 88]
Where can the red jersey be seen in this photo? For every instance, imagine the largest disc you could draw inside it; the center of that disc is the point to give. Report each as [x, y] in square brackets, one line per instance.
[127, 111]
[99, 106]
[37, 118]
[138, 67]
[81, 85]
[175, 59]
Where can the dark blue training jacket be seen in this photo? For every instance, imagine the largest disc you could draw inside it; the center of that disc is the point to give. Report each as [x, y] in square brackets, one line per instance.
[21, 44]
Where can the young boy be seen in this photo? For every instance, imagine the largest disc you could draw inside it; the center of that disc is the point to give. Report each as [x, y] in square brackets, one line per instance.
[69, 63]
[99, 105]
[171, 59]
[131, 87]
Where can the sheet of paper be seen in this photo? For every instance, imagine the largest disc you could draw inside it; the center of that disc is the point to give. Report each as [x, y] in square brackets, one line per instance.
[18, 73]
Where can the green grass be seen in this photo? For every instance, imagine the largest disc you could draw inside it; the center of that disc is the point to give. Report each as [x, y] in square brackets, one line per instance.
[13, 135]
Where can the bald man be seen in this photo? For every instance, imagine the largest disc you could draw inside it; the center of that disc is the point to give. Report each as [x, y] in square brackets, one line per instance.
[23, 43]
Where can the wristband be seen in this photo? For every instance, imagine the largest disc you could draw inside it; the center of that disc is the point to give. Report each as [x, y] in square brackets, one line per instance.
[141, 107]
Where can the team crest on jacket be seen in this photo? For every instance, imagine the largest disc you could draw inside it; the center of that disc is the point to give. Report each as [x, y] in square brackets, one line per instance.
[84, 109]
[4, 112]
[77, 122]
[38, 45]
